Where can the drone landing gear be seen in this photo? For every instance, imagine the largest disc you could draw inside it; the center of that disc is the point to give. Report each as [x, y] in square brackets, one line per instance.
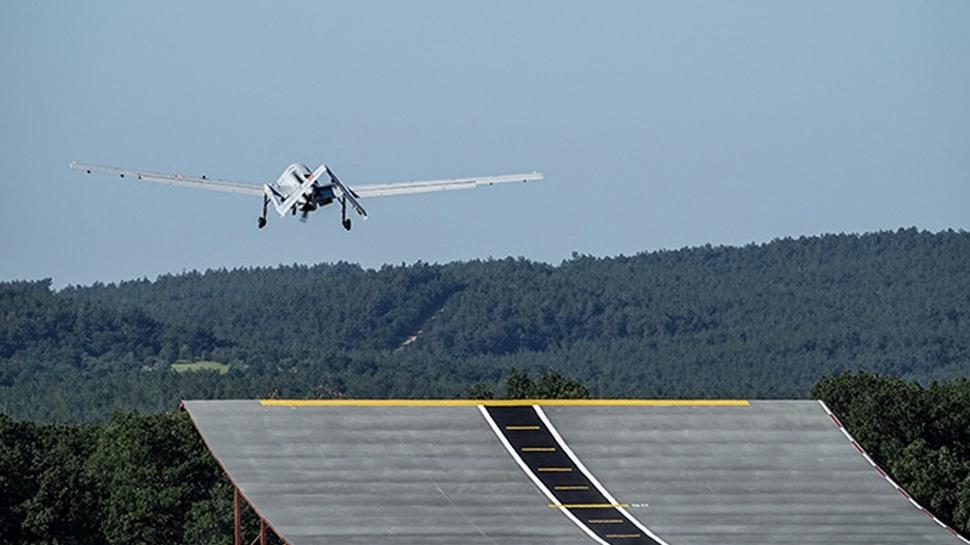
[261, 222]
[344, 220]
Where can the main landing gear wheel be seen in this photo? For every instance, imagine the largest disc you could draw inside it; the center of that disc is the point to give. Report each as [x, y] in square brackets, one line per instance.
[262, 219]
[346, 223]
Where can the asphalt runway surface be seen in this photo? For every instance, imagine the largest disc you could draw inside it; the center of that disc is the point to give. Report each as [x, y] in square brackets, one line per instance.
[612, 472]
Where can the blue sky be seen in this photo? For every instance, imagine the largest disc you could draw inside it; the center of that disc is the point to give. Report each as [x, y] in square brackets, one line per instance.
[658, 125]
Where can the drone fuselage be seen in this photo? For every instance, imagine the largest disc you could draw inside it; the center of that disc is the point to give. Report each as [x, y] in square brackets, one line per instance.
[293, 179]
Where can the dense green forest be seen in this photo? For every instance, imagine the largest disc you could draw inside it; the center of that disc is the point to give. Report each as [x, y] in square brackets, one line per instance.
[148, 479]
[759, 321]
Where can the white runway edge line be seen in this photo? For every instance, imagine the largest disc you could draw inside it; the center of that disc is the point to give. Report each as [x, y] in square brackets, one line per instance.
[606, 494]
[858, 447]
[535, 480]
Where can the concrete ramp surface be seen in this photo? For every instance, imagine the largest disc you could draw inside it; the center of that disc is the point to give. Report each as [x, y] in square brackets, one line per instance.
[624, 472]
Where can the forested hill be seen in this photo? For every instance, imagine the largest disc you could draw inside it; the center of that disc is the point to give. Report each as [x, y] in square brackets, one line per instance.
[756, 321]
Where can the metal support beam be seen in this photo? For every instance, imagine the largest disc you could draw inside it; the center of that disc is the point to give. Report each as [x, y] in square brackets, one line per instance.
[237, 517]
[237, 537]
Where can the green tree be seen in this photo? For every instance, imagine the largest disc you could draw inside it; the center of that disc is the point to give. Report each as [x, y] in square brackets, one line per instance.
[961, 515]
[552, 385]
[519, 385]
[481, 391]
[16, 477]
[209, 520]
[152, 470]
[884, 413]
[60, 510]
[932, 475]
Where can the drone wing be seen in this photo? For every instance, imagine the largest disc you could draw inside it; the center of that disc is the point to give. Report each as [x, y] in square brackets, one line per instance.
[174, 179]
[405, 188]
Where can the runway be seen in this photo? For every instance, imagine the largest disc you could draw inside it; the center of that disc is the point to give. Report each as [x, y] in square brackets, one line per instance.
[624, 472]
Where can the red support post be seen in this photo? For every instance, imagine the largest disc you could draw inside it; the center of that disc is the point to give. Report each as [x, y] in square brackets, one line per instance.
[262, 531]
[237, 516]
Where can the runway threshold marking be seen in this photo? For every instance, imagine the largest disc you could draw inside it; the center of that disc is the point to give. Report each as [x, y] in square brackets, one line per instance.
[562, 478]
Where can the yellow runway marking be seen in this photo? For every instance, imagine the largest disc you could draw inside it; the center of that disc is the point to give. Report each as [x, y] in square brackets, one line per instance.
[620, 536]
[586, 505]
[521, 428]
[503, 402]
[604, 521]
[538, 449]
[555, 469]
[571, 487]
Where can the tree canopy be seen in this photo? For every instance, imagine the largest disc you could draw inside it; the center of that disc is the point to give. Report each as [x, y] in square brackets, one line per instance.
[756, 321]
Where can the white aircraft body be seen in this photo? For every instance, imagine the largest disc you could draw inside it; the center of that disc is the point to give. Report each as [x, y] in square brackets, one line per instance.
[300, 190]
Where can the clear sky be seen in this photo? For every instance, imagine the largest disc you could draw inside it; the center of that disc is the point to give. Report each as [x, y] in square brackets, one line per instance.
[657, 125]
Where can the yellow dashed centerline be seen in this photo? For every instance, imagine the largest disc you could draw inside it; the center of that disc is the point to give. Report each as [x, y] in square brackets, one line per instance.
[522, 428]
[621, 536]
[571, 487]
[604, 521]
[538, 449]
[555, 469]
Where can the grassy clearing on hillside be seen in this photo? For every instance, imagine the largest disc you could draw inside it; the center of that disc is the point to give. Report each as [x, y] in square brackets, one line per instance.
[183, 366]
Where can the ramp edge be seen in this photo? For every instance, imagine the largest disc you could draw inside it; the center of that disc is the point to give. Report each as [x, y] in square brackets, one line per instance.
[228, 475]
[838, 424]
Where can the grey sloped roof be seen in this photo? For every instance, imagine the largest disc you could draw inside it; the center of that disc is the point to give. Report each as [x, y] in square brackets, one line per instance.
[763, 472]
